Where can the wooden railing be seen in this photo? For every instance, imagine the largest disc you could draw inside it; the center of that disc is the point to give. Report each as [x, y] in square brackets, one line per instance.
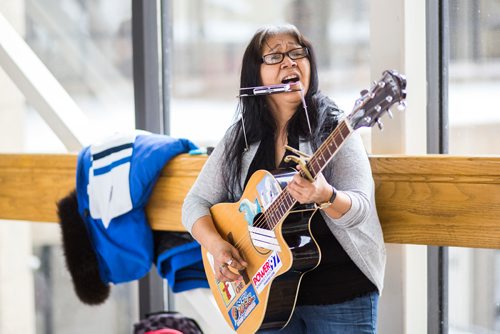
[428, 200]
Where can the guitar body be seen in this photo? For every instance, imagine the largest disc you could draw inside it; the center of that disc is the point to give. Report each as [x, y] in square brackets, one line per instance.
[265, 296]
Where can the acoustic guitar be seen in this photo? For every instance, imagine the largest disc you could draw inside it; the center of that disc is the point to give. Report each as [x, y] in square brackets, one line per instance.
[273, 233]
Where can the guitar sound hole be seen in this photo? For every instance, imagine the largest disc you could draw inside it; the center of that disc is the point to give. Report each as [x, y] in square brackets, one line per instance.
[260, 221]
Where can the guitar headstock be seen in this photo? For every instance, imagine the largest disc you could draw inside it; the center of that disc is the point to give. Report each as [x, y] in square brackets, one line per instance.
[373, 103]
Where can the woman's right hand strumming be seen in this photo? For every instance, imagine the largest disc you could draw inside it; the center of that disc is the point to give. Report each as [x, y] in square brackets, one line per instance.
[227, 260]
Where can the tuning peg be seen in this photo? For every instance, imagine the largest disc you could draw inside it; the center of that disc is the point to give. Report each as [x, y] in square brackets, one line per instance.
[403, 92]
[390, 113]
[402, 106]
[364, 92]
[380, 124]
[388, 99]
[381, 84]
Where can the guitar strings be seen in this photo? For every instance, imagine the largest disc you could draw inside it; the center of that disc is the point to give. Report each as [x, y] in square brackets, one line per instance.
[267, 215]
[281, 198]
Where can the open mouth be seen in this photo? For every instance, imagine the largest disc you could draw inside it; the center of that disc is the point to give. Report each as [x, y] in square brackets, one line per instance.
[290, 78]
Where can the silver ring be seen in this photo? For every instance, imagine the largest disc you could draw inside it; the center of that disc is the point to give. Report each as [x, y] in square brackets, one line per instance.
[229, 262]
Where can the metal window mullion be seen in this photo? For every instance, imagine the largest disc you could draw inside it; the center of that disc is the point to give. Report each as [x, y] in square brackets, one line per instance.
[167, 44]
[148, 116]
[437, 15]
[167, 55]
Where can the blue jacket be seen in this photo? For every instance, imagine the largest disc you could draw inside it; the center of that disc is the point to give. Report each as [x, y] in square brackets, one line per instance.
[119, 176]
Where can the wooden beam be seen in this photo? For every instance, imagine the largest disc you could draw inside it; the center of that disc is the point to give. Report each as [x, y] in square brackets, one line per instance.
[429, 200]
[164, 206]
[30, 185]
[439, 200]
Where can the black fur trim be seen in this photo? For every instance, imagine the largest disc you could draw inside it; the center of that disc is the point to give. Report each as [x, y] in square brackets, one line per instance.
[81, 259]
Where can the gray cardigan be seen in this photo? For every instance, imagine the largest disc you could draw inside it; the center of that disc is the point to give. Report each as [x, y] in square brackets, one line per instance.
[358, 231]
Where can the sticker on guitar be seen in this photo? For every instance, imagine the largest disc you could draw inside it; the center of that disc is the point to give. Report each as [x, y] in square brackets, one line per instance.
[264, 238]
[261, 236]
[243, 307]
[268, 190]
[229, 290]
[266, 272]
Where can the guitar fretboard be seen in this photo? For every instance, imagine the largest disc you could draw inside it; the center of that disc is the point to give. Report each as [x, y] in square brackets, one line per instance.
[284, 202]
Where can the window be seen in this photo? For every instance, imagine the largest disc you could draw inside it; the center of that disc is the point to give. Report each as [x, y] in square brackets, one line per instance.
[88, 51]
[474, 83]
[205, 84]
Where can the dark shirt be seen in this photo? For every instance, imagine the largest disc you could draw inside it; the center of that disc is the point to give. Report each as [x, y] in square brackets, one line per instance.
[337, 278]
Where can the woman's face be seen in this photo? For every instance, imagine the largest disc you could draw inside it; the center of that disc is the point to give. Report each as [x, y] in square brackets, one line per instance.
[287, 70]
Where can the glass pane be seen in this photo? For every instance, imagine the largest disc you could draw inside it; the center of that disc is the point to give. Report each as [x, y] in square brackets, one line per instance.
[89, 52]
[474, 84]
[58, 310]
[209, 41]
[87, 47]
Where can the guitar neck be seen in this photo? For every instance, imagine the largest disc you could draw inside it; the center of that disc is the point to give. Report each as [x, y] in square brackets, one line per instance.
[284, 202]
[328, 149]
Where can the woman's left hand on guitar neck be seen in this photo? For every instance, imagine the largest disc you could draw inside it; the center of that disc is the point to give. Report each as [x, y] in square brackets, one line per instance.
[319, 191]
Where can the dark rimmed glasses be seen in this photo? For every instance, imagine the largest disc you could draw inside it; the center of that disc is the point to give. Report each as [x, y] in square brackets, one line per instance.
[276, 58]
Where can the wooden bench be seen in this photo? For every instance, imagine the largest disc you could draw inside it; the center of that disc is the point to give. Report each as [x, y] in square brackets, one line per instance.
[427, 200]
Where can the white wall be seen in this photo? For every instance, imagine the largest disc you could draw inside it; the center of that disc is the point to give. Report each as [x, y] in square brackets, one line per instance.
[11, 101]
[16, 289]
[397, 41]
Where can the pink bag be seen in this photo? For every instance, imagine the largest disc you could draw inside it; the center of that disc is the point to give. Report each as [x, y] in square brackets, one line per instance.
[164, 331]
[171, 322]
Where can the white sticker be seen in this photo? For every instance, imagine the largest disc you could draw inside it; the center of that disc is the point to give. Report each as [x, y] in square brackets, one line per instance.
[266, 272]
[264, 238]
[210, 259]
[268, 189]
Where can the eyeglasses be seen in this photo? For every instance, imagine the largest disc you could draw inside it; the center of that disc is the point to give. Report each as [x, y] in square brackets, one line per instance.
[276, 58]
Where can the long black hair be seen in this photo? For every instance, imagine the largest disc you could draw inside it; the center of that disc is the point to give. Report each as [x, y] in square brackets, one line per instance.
[259, 122]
